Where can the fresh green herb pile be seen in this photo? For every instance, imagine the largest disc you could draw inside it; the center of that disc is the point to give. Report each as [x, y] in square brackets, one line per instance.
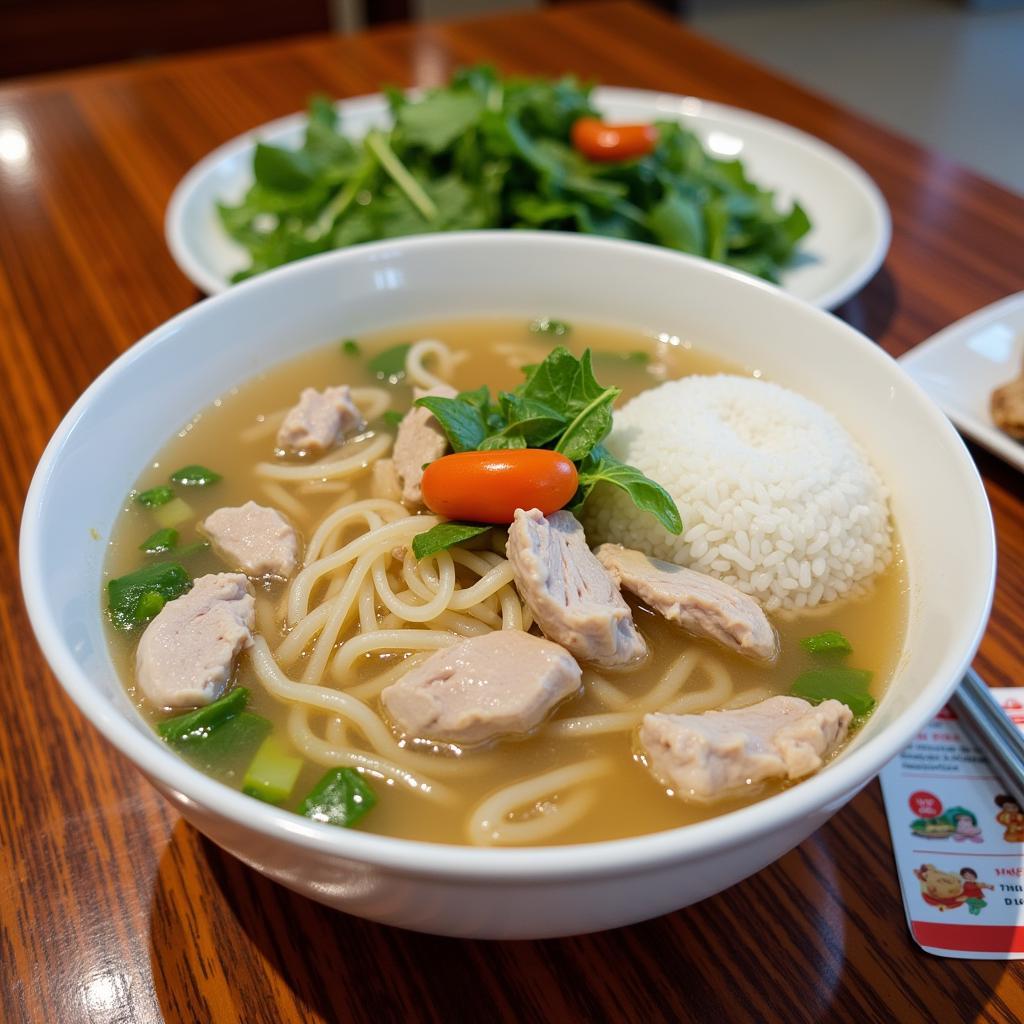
[560, 406]
[488, 152]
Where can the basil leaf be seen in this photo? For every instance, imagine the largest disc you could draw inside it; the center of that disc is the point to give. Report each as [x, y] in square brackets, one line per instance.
[648, 496]
[676, 222]
[461, 421]
[590, 427]
[389, 365]
[849, 685]
[502, 442]
[444, 535]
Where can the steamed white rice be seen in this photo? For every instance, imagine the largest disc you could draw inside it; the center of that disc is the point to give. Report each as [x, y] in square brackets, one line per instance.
[776, 497]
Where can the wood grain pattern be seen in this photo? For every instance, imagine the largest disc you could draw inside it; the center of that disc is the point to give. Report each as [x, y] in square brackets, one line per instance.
[113, 910]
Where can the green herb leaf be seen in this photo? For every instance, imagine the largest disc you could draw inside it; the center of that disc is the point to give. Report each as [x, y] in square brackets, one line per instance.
[351, 347]
[849, 685]
[461, 421]
[676, 222]
[554, 328]
[282, 170]
[195, 476]
[389, 365]
[155, 496]
[129, 597]
[195, 548]
[392, 417]
[444, 535]
[162, 540]
[829, 642]
[341, 798]
[437, 120]
[601, 467]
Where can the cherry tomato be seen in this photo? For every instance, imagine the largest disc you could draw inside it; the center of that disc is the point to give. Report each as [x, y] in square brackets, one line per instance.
[488, 487]
[607, 142]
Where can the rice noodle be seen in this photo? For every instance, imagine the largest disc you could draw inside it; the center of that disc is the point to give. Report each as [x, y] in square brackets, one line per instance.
[489, 823]
[368, 448]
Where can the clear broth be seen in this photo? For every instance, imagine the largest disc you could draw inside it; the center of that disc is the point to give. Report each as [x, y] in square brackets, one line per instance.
[630, 801]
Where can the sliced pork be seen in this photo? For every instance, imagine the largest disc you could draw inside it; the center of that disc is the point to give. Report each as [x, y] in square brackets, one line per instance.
[501, 683]
[187, 653]
[572, 596]
[420, 440]
[256, 539]
[320, 421]
[722, 753]
[701, 604]
[384, 482]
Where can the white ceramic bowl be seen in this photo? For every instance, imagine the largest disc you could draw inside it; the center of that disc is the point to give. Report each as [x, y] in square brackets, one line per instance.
[129, 412]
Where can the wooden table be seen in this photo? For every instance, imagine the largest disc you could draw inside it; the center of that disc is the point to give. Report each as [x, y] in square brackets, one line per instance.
[114, 910]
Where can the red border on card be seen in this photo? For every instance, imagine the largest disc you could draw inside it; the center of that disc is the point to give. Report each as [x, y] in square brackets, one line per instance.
[970, 938]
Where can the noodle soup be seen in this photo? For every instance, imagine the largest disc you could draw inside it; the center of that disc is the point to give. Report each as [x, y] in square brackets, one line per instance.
[362, 610]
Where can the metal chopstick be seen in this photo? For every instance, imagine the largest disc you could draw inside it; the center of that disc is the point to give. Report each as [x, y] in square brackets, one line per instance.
[988, 725]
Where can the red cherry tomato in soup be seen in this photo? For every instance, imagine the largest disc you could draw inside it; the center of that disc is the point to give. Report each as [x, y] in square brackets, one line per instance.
[488, 487]
[607, 142]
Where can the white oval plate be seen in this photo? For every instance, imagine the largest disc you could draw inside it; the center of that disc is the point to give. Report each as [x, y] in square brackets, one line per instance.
[964, 363]
[846, 245]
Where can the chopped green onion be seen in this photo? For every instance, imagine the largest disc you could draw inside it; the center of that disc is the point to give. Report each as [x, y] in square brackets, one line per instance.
[272, 775]
[174, 513]
[341, 797]
[829, 642]
[392, 417]
[849, 685]
[555, 328]
[195, 548]
[220, 738]
[162, 540]
[350, 347]
[155, 496]
[198, 724]
[133, 599]
[195, 476]
[389, 365]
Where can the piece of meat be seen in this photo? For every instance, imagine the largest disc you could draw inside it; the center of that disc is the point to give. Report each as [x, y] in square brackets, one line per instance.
[187, 653]
[256, 539]
[572, 596]
[497, 684]
[701, 604]
[1007, 407]
[722, 753]
[319, 421]
[384, 482]
[420, 440]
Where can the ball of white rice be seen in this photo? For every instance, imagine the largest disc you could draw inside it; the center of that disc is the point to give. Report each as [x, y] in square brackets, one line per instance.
[776, 497]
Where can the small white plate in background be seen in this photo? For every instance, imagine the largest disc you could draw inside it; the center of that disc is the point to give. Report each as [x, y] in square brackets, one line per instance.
[963, 364]
[850, 221]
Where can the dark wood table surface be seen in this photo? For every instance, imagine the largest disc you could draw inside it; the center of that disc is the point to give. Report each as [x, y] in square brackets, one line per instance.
[111, 908]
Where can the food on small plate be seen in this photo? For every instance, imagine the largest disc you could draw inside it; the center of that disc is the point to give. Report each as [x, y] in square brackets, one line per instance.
[1007, 407]
[532, 583]
[488, 152]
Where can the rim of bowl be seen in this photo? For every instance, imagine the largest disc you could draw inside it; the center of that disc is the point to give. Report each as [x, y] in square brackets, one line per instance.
[838, 781]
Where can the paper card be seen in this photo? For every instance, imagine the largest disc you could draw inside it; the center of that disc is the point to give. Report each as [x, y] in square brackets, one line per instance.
[958, 840]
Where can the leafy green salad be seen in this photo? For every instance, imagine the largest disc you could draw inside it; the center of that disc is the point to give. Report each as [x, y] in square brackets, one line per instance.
[492, 152]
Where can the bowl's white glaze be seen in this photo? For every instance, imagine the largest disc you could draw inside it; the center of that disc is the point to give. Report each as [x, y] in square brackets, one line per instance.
[127, 414]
